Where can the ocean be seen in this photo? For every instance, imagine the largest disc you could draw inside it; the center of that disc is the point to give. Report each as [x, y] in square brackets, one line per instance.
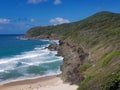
[22, 59]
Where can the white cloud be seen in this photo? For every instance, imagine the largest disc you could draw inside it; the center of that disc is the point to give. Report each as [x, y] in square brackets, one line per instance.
[59, 20]
[32, 20]
[36, 1]
[56, 2]
[4, 21]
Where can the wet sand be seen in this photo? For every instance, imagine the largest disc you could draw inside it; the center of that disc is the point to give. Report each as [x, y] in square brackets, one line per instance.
[44, 83]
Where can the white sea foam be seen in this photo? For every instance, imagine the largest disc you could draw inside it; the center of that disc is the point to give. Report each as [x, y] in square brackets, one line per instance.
[35, 57]
[23, 38]
[2, 70]
[49, 73]
[26, 55]
[44, 40]
[40, 58]
[55, 41]
[37, 63]
[16, 58]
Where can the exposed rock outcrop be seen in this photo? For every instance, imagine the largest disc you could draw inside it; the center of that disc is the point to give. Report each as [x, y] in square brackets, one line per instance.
[73, 59]
[53, 47]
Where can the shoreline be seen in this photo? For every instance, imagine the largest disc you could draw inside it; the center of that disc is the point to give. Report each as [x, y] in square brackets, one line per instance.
[28, 81]
[29, 78]
[43, 83]
[56, 42]
[47, 82]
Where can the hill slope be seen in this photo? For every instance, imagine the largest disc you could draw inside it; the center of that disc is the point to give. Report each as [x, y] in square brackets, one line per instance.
[91, 50]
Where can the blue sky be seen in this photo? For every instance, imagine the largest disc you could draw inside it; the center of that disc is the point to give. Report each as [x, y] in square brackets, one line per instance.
[17, 16]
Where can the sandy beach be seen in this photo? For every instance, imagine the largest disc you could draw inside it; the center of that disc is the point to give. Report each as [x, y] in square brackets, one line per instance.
[44, 83]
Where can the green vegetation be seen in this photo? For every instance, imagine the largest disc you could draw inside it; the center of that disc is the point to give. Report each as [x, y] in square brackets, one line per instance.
[88, 78]
[113, 82]
[100, 36]
[107, 58]
[84, 67]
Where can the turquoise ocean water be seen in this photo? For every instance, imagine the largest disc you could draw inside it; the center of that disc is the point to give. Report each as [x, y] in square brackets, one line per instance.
[22, 59]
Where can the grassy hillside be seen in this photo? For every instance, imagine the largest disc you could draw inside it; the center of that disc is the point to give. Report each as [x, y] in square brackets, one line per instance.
[99, 35]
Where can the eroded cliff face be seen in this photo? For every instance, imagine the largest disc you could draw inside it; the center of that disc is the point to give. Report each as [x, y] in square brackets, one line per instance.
[91, 50]
[73, 58]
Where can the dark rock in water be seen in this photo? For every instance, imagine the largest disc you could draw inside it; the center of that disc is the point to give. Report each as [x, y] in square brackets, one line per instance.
[19, 64]
[61, 42]
[53, 47]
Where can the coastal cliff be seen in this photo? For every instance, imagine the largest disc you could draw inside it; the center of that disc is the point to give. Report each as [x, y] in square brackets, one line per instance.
[73, 58]
[91, 50]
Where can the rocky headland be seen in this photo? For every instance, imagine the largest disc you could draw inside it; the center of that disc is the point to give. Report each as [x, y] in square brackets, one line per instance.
[91, 50]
